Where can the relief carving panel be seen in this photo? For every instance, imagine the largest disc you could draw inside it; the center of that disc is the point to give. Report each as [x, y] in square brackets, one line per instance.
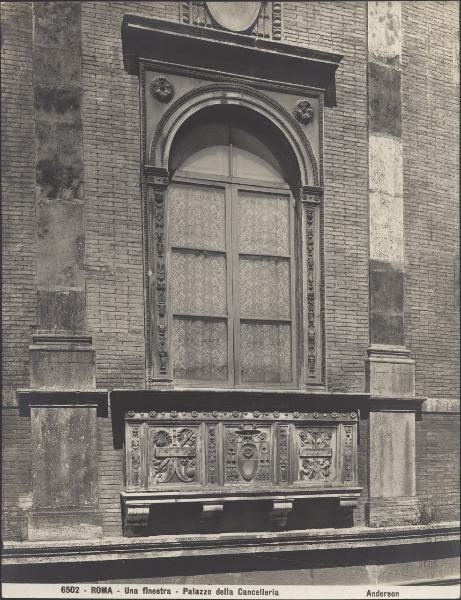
[172, 455]
[195, 449]
[248, 453]
[316, 454]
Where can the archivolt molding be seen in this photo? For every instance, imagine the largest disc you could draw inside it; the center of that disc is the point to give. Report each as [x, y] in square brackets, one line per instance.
[240, 95]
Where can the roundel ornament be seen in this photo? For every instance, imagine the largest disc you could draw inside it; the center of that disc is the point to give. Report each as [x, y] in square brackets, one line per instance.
[235, 16]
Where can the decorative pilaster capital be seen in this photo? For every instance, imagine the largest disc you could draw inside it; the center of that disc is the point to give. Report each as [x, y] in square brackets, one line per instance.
[309, 194]
[156, 176]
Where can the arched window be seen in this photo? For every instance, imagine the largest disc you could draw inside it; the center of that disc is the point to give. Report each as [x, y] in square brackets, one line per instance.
[232, 252]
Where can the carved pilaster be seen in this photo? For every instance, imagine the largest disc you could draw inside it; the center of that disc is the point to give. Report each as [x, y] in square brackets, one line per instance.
[347, 453]
[313, 342]
[283, 453]
[135, 456]
[159, 367]
[211, 454]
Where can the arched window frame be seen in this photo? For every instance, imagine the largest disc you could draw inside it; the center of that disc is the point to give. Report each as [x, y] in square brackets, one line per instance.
[308, 199]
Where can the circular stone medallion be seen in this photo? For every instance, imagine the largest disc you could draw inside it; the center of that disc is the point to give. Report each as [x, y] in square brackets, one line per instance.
[235, 16]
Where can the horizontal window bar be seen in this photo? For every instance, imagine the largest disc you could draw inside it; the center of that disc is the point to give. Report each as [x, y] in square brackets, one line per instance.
[203, 250]
[200, 316]
[265, 319]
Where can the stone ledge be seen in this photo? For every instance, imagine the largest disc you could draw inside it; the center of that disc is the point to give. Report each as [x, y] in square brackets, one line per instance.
[51, 397]
[120, 548]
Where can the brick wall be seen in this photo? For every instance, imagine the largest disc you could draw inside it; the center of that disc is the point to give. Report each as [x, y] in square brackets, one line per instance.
[113, 237]
[16, 474]
[19, 263]
[341, 27]
[437, 466]
[110, 479]
[114, 262]
[430, 121]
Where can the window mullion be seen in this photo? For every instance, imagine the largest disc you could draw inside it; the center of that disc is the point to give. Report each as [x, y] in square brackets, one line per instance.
[233, 189]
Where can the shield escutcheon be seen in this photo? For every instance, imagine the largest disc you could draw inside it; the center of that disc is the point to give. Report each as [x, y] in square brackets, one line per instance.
[248, 461]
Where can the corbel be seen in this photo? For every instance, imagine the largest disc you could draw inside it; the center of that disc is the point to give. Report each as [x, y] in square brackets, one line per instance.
[137, 515]
[280, 511]
[310, 194]
[156, 176]
[211, 513]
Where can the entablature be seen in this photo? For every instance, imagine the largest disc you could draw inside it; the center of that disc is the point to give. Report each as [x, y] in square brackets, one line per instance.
[233, 53]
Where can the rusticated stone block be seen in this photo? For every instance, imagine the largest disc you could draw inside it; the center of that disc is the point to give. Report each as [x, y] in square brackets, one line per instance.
[62, 362]
[389, 512]
[64, 439]
[384, 99]
[65, 525]
[392, 454]
[391, 378]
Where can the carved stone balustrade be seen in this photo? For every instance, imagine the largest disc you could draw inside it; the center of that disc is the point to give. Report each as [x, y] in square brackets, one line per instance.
[213, 457]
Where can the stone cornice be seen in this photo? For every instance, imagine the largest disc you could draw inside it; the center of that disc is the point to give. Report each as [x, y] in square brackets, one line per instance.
[119, 548]
[145, 38]
[49, 397]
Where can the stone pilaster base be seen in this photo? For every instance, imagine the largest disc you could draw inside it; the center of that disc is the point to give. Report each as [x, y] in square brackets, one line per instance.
[390, 371]
[389, 512]
[65, 524]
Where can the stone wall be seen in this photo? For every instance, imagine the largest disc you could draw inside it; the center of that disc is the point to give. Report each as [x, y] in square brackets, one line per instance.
[101, 166]
[341, 27]
[19, 237]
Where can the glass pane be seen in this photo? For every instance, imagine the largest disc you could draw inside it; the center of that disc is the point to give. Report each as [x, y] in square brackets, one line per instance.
[213, 160]
[197, 216]
[264, 287]
[265, 352]
[200, 349]
[264, 223]
[202, 147]
[198, 283]
[253, 155]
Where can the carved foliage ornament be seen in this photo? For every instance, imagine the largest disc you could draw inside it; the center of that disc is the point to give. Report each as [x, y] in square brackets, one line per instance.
[135, 456]
[174, 453]
[162, 89]
[315, 454]
[303, 112]
[310, 283]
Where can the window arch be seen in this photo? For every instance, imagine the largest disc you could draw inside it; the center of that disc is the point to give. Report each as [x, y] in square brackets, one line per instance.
[232, 252]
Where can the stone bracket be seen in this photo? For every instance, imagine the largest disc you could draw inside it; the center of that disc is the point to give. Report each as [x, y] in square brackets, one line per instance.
[347, 502]
[137, 515]
[280, 511]
[211, 512]
[136, 505]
